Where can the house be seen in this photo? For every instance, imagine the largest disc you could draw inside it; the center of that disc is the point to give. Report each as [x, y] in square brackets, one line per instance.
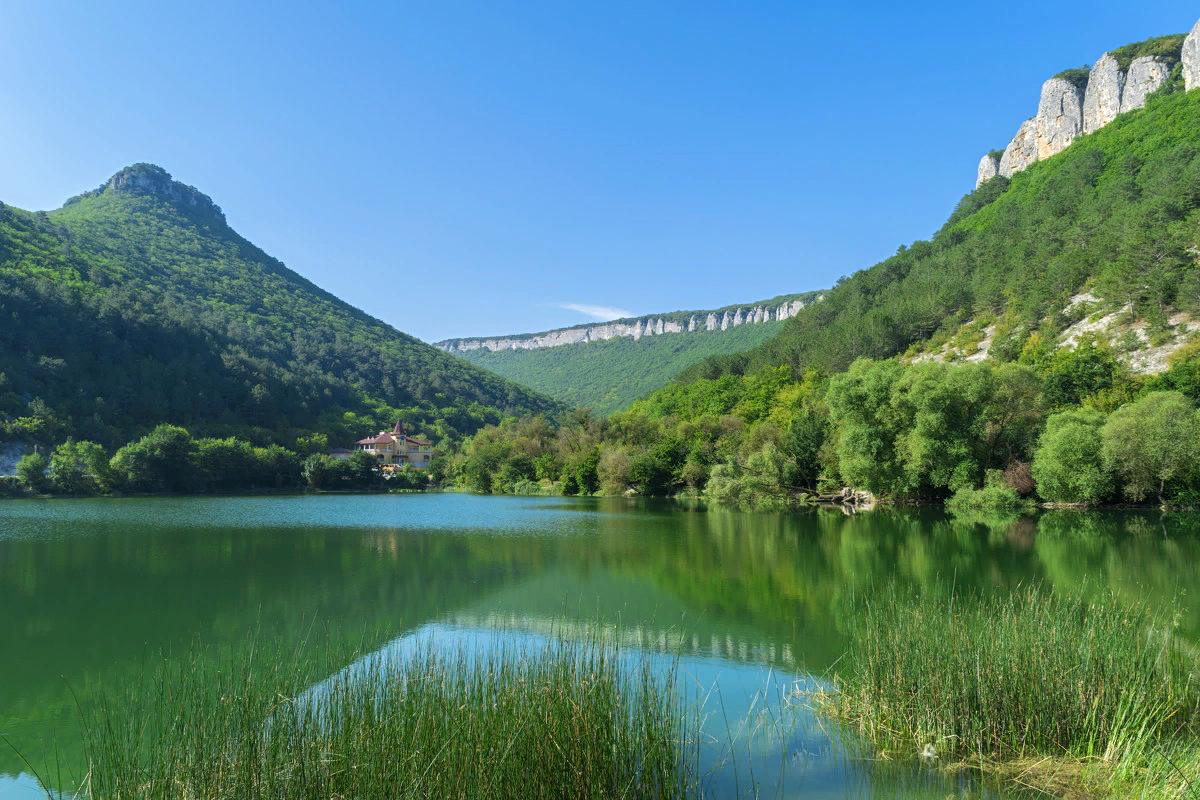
[340, 453]
[395, 448]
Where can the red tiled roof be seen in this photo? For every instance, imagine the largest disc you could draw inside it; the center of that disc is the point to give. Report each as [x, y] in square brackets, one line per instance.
[382, 438]
[420, 442]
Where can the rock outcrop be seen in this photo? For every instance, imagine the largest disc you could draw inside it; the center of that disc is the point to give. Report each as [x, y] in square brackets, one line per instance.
[637, 328]
[1059, 117]
[989, 167]
[1191, 58]
[1022, 150]
[1102, 100]
[1145, 75]
[151, 179]
[1065, 111]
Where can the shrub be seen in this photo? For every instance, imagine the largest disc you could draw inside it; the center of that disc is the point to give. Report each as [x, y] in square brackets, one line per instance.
[1068, 466]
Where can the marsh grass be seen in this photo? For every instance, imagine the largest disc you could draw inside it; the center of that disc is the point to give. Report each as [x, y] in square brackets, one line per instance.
[1061, 691]
[570, 719]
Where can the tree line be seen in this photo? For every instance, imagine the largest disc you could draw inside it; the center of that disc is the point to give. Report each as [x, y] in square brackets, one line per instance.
[170, 460]
[1063, 425]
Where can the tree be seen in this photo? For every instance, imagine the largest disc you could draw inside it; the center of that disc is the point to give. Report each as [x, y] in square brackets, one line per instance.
[160, 460]
[79, 468]
[1153, 445]
[1068, 465]
[31, 469]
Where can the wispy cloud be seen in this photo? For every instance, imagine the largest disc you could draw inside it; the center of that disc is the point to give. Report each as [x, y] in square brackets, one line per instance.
[601, 313]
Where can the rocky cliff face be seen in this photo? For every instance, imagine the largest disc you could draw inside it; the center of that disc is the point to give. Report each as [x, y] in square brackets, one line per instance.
[1059, 118]
[1065, 111]
[151, 179]
[1102, 100]
[637, 328]
[1191, 58]
[1021, 151]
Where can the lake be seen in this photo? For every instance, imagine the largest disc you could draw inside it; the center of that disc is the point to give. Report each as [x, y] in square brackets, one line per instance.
[750, 607]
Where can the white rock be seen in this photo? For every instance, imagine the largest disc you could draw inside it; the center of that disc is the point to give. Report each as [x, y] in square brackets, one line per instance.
[1145, 75]
[1102, 99]
[1059, 117]
[989, 167]
[1191, 58]
[1021, 151]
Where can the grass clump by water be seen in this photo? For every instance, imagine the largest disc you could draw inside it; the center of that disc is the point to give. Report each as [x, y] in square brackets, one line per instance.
[566, 720]
[1068, 694]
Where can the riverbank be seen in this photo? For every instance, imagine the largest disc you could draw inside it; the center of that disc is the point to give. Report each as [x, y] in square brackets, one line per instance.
[1073, 695]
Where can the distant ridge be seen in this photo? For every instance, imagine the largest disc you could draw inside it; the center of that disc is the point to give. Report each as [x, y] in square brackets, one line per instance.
[772, 310]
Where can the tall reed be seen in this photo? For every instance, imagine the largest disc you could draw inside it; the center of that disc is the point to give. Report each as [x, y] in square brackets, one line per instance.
[1028, 674]
[571, 719]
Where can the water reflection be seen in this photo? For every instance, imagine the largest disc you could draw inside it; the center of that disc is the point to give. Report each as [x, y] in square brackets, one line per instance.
[94, 587]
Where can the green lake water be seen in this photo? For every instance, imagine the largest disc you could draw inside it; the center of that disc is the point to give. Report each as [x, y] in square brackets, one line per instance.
[749, 606]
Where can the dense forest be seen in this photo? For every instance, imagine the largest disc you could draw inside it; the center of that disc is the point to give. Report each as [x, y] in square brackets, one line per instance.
[608, 375]
[136, 304]
[835, 401]
[1115, 212]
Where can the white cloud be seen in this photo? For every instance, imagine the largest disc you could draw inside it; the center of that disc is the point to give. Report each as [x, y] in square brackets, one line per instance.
[601, 313]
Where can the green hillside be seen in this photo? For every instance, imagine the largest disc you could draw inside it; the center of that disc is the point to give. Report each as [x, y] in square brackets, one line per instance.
[836, 399]
[607, 375]
[1116, 212]
[136, 304]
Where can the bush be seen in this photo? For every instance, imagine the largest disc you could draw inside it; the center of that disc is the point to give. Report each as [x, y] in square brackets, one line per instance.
[31, 470]
[1068, 466]
[1153, 445]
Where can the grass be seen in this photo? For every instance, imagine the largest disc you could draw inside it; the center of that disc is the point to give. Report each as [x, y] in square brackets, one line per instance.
[572, 719]
[1076, 697]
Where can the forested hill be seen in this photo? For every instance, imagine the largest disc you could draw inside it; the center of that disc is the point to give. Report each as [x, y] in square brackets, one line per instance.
[136, 304]
[1115, 214]
[607, 375]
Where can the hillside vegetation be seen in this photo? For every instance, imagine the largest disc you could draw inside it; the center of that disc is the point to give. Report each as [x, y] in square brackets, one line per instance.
[1116, 211]
[136, 304]
[609, 374]
[832, 402]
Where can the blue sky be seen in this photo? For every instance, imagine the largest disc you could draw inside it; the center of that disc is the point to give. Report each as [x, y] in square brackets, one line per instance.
[466, 169]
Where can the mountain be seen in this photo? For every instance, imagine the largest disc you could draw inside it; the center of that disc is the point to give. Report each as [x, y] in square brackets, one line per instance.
[1111, 220]
[136, 304]
[776, 309]
[1079, 101]
[606, 366]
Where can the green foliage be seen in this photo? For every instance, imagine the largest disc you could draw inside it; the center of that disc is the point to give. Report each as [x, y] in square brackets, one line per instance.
[1073, 374]
[610, 374]
[1167, 48]
[133, 306]
[1119, 208]
[1153, 445]
[1068, 467]
[1076, 76]
[1032, 673]
[930, 429]
[159, 461]
[569, 719]
[80, 468]
[31, 470]
[994, 496]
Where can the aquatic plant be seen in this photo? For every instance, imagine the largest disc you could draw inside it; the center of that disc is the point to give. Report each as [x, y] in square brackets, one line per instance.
[1088, 688]
[572, 719]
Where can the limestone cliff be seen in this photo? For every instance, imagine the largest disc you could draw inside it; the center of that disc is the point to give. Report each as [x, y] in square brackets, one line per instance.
[1191, 58]
[1067, 110]
[779, 308]
[1102, 100]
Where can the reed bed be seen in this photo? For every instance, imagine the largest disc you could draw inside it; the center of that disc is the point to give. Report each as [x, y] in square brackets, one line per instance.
[1059, 691]
[570, 719]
